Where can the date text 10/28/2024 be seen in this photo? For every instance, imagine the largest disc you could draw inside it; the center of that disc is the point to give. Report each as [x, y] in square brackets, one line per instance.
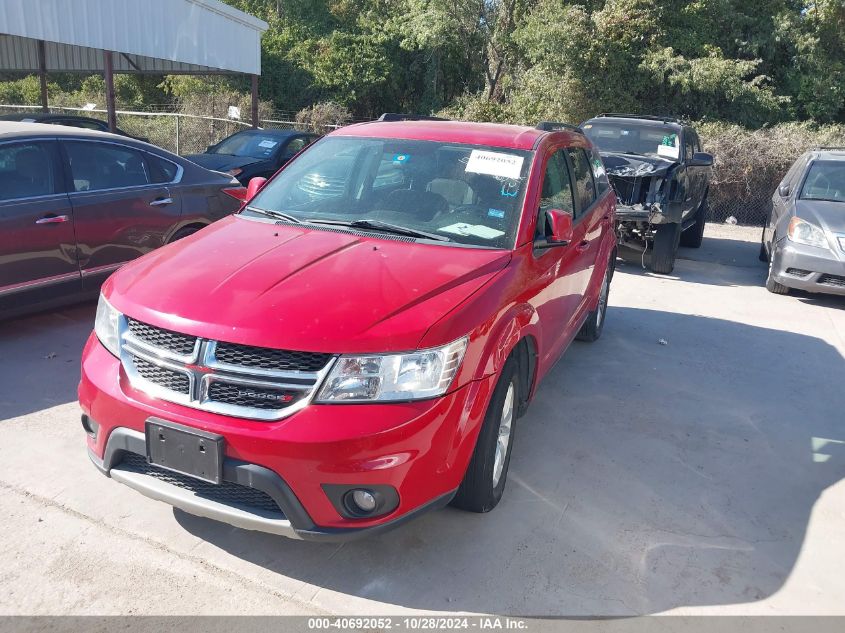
[421, 623]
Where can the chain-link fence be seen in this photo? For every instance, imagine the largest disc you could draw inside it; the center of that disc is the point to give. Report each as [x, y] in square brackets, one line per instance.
[176, 132]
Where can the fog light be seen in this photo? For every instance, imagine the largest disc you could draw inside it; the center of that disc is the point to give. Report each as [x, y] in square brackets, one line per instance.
[90, 425]
[364, 499]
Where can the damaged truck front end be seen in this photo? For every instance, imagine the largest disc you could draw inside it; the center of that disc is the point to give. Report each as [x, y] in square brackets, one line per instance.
[648, 195]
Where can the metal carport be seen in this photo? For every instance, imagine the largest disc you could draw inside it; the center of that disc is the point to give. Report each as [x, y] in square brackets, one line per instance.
[128, 36]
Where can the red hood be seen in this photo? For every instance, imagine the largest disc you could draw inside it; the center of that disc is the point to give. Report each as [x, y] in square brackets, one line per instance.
[288, 287]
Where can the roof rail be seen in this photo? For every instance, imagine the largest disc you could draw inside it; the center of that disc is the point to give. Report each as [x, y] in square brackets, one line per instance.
[556, 126]
[648, 117]
[393, 116]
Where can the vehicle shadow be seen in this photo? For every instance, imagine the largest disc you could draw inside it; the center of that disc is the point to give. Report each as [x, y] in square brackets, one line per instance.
[644, 477]
[822, 300]
[39, 359]
[719, 262]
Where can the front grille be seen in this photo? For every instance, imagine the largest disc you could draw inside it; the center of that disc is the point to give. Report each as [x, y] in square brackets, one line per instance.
[270, 359]
[253, 397]
[798, 272]
[832, 280]
[226, 492]
[181, 344]
[162, 376]
[244, 381]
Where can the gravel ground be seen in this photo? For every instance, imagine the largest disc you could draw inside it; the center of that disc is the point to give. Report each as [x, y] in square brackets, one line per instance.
[703, 475]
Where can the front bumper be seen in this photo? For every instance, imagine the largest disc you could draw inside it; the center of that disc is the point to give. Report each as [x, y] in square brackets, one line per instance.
[667, 213]
[419, 448]
[808, 268]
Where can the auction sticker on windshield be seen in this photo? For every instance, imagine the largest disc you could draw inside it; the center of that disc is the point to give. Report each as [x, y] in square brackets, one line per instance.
[494, 164]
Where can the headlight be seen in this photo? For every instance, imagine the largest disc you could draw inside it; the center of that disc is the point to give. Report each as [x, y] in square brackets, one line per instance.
[391, 377]
[803, 232]
[106, 326]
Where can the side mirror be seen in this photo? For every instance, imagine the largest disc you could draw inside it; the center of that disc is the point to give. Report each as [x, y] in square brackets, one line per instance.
[783, 190]
[254, 186]
[560, 223]
[701, 159]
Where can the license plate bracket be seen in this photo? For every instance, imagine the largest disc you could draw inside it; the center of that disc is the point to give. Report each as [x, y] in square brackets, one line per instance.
[185, 450]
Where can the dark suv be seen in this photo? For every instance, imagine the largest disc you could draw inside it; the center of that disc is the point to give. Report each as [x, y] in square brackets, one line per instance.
[661, 178]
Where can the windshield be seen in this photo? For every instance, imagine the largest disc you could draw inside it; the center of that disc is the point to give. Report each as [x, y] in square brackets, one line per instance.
[465, 194]
[248, 145]
[635, 138]
[825, 181]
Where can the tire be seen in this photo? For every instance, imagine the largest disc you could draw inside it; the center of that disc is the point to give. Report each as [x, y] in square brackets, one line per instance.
[694, 235]
[664, 248]
[593, 326]
[185, 232]
[772, 285]
[481, 488]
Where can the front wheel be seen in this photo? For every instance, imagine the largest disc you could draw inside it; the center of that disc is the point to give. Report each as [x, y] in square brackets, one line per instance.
[694, 235]
[484, 481]
[772, 285]
[665, 247]
[184, 232]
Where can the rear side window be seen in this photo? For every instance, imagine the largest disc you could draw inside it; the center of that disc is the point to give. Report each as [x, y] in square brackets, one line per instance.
[295, 145]
[556, 192]
[585, 189]
[161, 170]
[98, 166]
[26, 171]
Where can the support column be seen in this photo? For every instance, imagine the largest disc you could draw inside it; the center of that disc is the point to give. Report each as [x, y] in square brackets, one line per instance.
[42, 75]
[108, 65]
[255, 101]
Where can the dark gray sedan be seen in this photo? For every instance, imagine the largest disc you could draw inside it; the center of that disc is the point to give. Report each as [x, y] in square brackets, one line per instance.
[804, 239]
[76, 204]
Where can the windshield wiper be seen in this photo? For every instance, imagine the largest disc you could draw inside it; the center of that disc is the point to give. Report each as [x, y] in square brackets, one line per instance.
[275, 214]
[378, 225]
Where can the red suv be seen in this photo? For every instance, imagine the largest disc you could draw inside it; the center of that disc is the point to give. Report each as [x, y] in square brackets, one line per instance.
[354, 347]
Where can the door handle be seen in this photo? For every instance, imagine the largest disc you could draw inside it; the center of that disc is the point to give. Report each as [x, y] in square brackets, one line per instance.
[52, 219]
[160, 202]
[584, 245]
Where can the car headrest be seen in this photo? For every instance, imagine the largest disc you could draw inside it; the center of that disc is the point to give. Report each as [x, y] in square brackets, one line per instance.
[423, 205]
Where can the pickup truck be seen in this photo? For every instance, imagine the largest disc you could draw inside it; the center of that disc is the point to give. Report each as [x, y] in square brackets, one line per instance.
[661, 178]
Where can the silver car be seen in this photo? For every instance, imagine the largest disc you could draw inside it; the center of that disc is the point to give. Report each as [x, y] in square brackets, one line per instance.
[804, 239]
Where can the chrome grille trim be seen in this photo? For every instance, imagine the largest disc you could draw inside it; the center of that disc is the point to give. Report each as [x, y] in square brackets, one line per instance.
[202, 369]
[212, 361]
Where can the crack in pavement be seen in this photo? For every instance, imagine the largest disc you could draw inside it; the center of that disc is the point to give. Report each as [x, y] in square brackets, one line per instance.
[210, 567]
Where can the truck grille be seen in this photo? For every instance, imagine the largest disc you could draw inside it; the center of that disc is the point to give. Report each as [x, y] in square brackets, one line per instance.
[273, 359]
[225, 492]
[266, 399]
[162, 376]
[180, 344]
[228, 378]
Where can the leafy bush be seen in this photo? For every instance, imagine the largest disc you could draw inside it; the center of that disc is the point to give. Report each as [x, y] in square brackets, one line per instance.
[749, 164]
[323, 117]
